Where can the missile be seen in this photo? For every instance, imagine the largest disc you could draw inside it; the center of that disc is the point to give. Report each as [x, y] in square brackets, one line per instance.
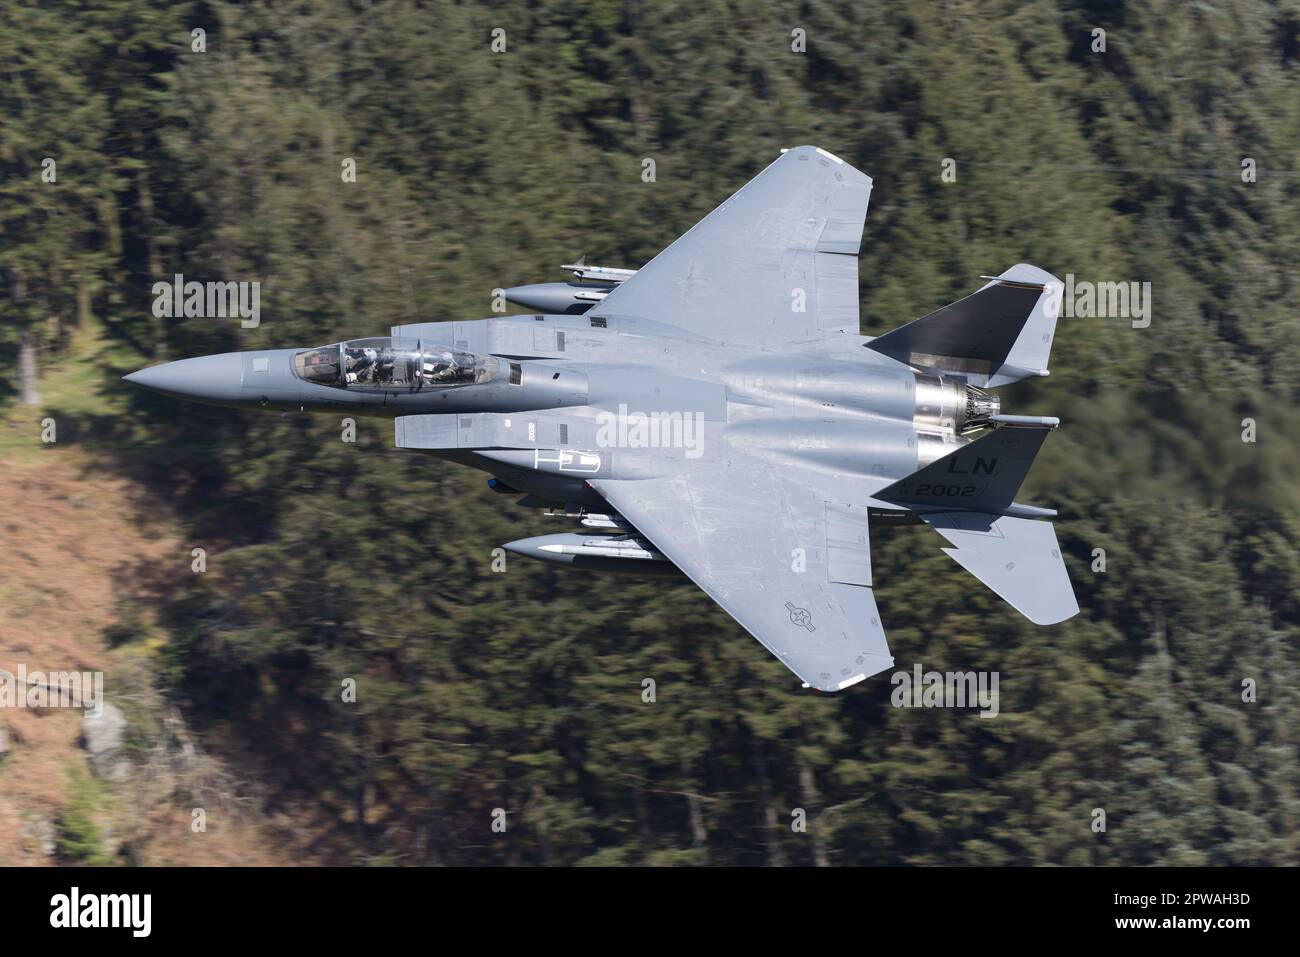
[599, 273]
[596, 552]
[612, 520]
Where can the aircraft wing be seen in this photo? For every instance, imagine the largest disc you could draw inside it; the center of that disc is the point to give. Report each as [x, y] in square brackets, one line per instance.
[791, 566]
[776, 263]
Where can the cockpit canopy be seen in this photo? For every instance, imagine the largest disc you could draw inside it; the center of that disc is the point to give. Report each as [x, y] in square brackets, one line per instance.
[393, 365]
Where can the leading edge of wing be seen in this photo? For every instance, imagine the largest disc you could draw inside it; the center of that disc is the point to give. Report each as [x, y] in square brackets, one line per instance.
[742, 536]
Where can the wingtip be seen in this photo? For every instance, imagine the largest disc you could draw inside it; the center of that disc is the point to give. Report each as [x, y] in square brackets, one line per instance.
[1054, 618]
[811, 148]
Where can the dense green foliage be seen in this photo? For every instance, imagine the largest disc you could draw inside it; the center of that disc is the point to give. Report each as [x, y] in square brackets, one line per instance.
[80, 838]
[478, 170]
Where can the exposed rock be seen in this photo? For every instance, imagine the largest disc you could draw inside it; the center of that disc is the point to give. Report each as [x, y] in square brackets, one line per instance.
[45, 835]
[102, 735]
[38, 835]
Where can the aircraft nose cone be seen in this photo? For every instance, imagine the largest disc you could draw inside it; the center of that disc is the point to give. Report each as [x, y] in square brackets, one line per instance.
[217, 379]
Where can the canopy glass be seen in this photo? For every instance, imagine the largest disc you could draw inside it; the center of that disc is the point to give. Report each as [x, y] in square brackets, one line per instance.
[393, 365]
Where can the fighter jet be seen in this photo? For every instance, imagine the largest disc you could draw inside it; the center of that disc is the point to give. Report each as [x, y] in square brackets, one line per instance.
[717, 413]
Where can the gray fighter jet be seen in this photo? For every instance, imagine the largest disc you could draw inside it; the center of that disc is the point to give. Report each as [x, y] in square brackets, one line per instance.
[716, 412]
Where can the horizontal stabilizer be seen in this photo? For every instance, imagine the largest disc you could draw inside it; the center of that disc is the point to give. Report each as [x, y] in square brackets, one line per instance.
[998, 334]
[982, 476]
[1018, 558]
